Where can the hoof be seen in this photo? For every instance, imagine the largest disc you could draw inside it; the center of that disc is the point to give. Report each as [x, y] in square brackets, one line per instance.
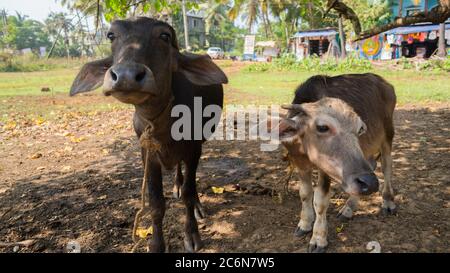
[313, 248]
[159, 247]
[192, 242]
[342, 218]
[388, 211]
[300, 232]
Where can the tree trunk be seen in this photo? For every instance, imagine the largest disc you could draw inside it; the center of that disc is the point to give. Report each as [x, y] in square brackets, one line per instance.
[287, 34]
[186, 31]
[342, 36]
[269, 26]
[312, 24]
[265, 25]
[441, 44]
[436, 15]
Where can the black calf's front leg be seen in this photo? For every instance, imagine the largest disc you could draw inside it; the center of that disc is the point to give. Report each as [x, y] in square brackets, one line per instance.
[157, 206]
[192, 241]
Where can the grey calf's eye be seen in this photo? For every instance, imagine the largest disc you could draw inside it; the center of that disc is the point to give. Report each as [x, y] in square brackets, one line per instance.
[361, 131]
[322, 128]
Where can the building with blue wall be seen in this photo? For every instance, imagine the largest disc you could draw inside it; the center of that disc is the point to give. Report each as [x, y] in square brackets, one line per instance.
[402, 8]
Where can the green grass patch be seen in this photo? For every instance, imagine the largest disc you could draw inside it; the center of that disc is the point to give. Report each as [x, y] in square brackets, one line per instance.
[31, 83]
[277, 87]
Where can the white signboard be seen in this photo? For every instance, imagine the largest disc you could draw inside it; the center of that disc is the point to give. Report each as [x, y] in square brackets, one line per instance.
[249, 44]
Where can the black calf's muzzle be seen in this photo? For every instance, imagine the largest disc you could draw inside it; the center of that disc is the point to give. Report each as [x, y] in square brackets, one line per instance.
[129, 77]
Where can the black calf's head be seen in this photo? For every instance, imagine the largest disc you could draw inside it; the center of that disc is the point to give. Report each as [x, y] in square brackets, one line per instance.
[144, 56]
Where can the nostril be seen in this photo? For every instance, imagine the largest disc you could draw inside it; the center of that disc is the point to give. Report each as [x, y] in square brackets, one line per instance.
[140, 76]
[363, 186]
[113, 75]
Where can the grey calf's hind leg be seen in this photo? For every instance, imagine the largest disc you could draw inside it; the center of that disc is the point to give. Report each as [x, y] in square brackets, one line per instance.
[388, 206]
[305, 224]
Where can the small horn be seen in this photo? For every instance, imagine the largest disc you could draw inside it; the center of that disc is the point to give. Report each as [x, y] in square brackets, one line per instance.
[297, 107]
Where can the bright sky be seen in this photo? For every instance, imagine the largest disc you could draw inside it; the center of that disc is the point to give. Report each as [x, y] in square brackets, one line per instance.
[35, 9]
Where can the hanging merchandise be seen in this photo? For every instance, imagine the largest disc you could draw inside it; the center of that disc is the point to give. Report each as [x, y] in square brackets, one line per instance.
[432, 35]
[386, 52]
[422, 37]
[391, 39]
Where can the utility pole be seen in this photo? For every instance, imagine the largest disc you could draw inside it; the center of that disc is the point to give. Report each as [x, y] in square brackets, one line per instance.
[342, 36]
[441, 43]
[185, 23]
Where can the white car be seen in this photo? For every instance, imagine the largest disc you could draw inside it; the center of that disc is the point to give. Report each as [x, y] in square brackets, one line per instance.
[215, 53]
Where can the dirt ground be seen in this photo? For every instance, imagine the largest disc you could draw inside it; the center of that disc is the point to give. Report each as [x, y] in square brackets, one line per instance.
[78, 178]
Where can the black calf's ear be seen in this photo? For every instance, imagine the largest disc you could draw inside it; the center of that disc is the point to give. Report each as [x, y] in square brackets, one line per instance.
[90, 76]
[200, 69]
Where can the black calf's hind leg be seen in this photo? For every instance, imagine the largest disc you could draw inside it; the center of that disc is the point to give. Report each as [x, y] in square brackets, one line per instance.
[178, 181]
[192, 241]
[198, 210]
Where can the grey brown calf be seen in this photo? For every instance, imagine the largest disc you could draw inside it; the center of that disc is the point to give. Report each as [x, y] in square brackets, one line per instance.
[340, 125]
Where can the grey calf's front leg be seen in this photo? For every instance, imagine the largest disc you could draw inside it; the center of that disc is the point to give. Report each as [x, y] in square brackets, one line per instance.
[319, 241]
[346, 212]
[305, 224]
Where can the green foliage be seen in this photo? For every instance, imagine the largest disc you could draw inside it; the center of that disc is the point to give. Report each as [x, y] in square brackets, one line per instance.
[20, 33]
[428, 65]
[370, 14]
[120, 8]
[314, 64]
[30, 63]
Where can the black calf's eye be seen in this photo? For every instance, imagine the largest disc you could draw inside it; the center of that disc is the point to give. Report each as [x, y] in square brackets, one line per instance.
[110, 36]
[165, 37]
[322, 128]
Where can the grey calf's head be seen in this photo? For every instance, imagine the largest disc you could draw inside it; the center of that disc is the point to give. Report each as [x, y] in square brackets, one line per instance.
[327, 132]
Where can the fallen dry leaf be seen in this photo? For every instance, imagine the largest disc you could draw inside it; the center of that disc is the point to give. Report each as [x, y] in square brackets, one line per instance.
[36, 156]
[39, 121]
[103, 197]
[340, 229]
[217, 190]
[77, 139]
[144, 232]
[66, 168]
[11, 125]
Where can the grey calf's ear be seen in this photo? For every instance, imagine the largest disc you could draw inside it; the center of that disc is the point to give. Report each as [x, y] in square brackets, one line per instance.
[90, 76]
[200, 69]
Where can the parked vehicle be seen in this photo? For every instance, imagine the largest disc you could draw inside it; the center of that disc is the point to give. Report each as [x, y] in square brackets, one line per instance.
[215, 53]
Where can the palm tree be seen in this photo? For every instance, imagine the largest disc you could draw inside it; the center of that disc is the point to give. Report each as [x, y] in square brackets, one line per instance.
[248, 9]
[216, 15]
